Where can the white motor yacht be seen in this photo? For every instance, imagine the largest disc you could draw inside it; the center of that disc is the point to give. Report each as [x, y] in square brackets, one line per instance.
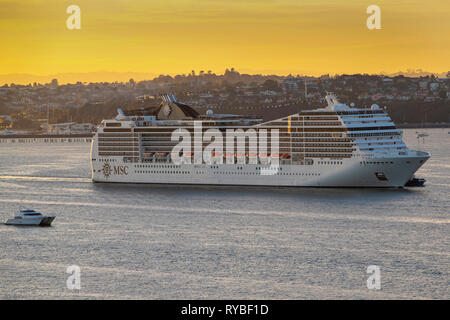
[29, 217]
[8, 132]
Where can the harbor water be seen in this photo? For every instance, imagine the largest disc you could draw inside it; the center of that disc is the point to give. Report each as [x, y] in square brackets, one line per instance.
[197, 242]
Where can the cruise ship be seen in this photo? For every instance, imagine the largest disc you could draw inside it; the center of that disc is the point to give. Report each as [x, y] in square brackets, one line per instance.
[333, 146]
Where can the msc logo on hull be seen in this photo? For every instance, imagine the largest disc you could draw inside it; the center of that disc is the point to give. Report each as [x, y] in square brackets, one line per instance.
[108, 170]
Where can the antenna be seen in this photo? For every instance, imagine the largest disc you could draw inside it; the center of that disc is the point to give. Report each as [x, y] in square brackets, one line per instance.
[306, 89]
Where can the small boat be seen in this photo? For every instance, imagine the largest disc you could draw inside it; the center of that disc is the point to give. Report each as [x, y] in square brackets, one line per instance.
[8, 133]
[415, 182]
[29, 217]
[421, 134]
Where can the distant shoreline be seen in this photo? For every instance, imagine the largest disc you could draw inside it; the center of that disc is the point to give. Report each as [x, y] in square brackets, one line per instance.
[422, 126]
[45, 136]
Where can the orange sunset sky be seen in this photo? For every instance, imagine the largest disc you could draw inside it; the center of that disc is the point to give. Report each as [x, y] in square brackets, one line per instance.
[120, 39]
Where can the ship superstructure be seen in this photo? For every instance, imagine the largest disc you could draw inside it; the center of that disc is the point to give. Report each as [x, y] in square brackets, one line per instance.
[335, 146]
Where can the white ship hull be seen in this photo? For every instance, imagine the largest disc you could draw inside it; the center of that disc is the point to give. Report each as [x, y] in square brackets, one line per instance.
[351, 173]
[336, 146]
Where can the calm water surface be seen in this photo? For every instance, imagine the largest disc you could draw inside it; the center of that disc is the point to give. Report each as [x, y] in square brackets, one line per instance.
[193, 242]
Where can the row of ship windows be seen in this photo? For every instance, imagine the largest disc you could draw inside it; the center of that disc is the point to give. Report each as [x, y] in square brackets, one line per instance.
[116, 149]
[228, 173]
[363, 116]
[284, 150]
[308, 132]
[374, 134]
[301, 134]
[328, 155]
[314, 118]
[317, 129]
[361, 112]
[323, 145]
[379, 138]
[158, 171]
[116, 154]
[156, 166]
[321, 150]
[162, 136]
[125, 136]
[235, 147]
[318, 123]
[329, 162]
[177, 167]
[376, 162]
[215, 166]
[366, 142]
[321, 140]
[355, 121]
[253, 149]
[301, 119]
[117, 144]
[372, 149]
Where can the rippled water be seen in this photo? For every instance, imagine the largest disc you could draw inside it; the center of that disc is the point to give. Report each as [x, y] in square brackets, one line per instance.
[194, 242]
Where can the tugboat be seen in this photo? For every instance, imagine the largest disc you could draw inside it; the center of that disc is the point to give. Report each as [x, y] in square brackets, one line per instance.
[415, 182]
[29, 217]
